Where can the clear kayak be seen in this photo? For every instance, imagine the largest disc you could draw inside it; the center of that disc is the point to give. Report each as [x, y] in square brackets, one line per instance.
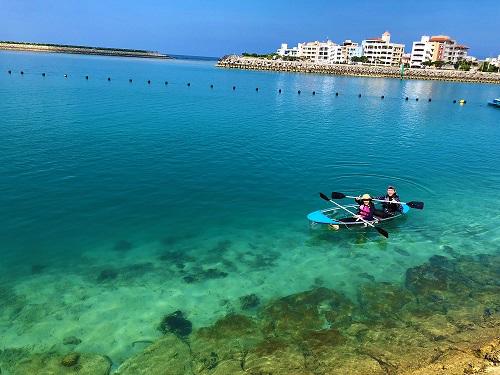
[336, 215]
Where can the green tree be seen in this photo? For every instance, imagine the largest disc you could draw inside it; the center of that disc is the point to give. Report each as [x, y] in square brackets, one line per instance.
[362, 59]
[438, 63]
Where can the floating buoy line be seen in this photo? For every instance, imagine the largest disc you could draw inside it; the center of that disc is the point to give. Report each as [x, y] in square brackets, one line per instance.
[188, 84]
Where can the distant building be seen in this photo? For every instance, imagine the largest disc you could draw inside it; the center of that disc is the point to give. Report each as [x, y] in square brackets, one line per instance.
[449, 50]
[285, 51]
[350, 49]
[380, 51]
[406, 59]
[437, 48]
[319, 52]
[495, 61]
[422, 51]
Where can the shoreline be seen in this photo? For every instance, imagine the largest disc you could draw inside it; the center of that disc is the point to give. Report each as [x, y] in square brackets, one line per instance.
[80, 50]
[252, 63]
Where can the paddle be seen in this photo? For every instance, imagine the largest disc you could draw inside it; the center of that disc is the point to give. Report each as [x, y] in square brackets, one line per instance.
[380, 230]
[412, 204]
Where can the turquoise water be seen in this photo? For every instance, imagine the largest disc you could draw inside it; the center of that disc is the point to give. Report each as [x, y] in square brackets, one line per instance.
[122, 202]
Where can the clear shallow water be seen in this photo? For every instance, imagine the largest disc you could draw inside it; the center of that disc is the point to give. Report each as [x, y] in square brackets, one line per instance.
[122, 202]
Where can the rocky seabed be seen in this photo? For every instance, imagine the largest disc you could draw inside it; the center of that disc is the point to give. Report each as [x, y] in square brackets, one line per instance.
[443, 319]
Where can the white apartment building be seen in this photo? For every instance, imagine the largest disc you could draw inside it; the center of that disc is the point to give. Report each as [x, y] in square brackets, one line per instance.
[285, 51]
[422, 51]
[380, 51]
[495, 61]
[437, 48]
[319, 52]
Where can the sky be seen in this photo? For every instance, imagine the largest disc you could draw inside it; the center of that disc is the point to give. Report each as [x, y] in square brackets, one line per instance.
[220, 27]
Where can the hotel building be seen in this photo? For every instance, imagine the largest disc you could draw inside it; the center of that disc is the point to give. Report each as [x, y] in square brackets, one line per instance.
[380, 51]
[319, 52]
[437, 48]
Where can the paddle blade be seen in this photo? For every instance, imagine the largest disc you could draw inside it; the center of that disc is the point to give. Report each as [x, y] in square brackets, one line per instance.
[336, 195]
[417, 205]
[323, 196]
[382, 232]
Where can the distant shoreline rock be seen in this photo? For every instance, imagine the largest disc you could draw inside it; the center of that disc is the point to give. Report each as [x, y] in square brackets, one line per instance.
[79, 50]
[252, 63]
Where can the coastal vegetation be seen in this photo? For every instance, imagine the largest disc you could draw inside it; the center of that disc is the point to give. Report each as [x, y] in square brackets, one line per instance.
[487, 67]
[361, 59]
[262, 56]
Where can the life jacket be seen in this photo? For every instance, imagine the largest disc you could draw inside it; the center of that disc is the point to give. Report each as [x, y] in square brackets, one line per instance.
[366, 212]
[391, 207]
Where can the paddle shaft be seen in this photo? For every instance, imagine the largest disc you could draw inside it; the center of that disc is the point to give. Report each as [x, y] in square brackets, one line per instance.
[352, 213]
[377, 200]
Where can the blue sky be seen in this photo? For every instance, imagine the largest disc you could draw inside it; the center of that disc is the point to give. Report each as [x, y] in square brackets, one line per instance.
[219, 27]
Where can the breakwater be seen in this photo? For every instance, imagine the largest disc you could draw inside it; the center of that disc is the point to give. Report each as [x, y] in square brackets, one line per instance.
[80, 50]
[250, 63]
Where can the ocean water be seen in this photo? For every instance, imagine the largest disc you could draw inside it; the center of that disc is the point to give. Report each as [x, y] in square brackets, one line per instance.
[125, 201]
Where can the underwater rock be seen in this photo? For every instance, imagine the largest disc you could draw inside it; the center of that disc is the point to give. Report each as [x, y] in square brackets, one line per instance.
[230, 338]
[382, 299]
[281, 360]
[71, 340]
[177, 324]
[123, 245]
[249, 301]
[490, 351]
[318, 340]
[211, 361]
[426, 278]
[167, 356]
[107, 275]
[483, 271]
[70, 359]
[312, 310]
[231, 325]
[55, 364]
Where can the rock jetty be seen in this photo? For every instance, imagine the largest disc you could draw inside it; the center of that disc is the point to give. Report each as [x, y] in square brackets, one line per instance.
[80, 50]
[251, 63]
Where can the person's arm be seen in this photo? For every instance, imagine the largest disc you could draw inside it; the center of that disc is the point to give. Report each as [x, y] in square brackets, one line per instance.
[399, 206]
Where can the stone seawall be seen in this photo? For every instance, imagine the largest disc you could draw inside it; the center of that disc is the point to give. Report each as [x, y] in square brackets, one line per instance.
[238, 62]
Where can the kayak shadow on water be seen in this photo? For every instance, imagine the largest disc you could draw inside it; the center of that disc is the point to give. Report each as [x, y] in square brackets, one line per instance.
[320, 234]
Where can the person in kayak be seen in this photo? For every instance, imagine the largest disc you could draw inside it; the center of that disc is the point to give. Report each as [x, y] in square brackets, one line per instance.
[389, 209]
[366, 209]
